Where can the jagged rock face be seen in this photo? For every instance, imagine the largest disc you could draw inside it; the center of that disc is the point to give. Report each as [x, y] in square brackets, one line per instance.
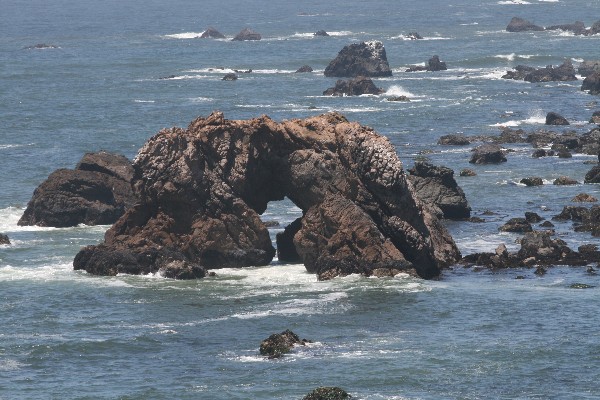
[247, 34]
[360, 59]
[436, 186]
[97, 192]
[202, 190]
[212, 33]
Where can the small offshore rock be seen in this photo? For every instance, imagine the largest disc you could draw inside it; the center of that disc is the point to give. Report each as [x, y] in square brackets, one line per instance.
[4, 239]
[398, 98]
[433, 64]
[304, 68]
[488, 154]
[212, 33]
[230, 77]
[532, 181]
[564, 180]
[414, 36]
[467, 172]
[327, 393]
[41, 46]
[564, 153]
[578, 28]
[247, 34]
[517, 24]
[453, 140]
[533, 218]
[584, 198]
[591, 83]
[518, 225]
[320, 32]
[547, 224]
[353, 87]
[553, 118]
[360, 59]
[279, 344]
[539, 270]
[580, 286]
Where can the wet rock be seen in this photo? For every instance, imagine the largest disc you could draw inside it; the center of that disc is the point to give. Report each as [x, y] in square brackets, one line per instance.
[532, 181]
[414, 36]
[433, 64]
[542, 248]
[591, 83]
[436, 186]
[519, 72]
[533, 218]
[595, 119]
[467, 172]
[97, 192]
[573, 213]
[564, 180]
[230, 77]
[304, 69]
[453, 140]
[517, 24]
[279, 344]
[578, 28]
[202, 189]
[562, 73]
[547, 224]
[327, 393]
[367, 59]
[180, 269]
[542, 153]
[353, 87]
[587, 68]
[553, 118]
[584, 198]
[580, 286]
[247, 34]
[212, 33]
[4, 239]
[518, 225]
[593, 175]
[286, 251]
[320, 33]
[564, 154]
[488, 154]
[398, 98]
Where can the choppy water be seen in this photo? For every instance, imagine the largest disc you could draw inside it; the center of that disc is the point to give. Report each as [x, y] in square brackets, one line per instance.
[65, 334]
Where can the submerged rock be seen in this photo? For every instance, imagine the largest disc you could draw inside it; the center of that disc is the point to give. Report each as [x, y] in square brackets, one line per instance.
[97, 192]
[353, 87]
[279, 344]
[517, 24]
[367, 59]
[327, 393]
[202, 190]
[247, 34]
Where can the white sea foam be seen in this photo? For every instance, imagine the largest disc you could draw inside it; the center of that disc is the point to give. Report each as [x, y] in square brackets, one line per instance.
[397, 90]
[514, 56]
[470, 23]
[537, 117]
[143, 101]
[201, 99]
[184, 35]
[509, 2]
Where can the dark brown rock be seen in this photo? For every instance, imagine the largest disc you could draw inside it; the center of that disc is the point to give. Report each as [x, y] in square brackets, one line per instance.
[202, 190]
[286, 250]
[353, 87]
[584, 198]
[279, 344]
[398, 98]
[564, 180]
[532, 181]
[517, 24]
[518, 225]
[4, 239]
[327, 393]
[553, 118]
[247, 34]
[453, 140]
[533, 218]
[436, 186]
[488, 154]
[96, 193]
[212, 33]
[467, 172]
[367, 59]
[304, 69]
[591, 83]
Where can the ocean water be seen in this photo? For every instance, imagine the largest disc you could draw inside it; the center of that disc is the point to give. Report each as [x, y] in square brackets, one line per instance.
[468, 335]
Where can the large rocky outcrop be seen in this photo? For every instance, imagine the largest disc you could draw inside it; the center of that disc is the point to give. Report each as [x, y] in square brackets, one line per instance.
[97, 192]
[436, 186]
[202, 190]
[562, 73]
[353, 87]
[360, 59]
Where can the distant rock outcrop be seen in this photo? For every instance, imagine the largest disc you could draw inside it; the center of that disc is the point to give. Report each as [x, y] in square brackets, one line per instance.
[41, 46]
[353, 87]
[488, 154]
[587, 68]
[591, 83]
[360, 59]
[433, 64]
[247, 34]
[562, 73]
[212, 33]
[304, 68]
[517, 24]
[230, 77]
[320, 33]
[202, 190]
[578, 28]
[327, 393]
[437, 187]
[97, 192]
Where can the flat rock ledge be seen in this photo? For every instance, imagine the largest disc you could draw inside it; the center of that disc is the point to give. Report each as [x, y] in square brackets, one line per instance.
[201, 192]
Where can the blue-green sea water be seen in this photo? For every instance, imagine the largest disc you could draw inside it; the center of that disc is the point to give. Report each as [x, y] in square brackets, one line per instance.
[468, 335]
